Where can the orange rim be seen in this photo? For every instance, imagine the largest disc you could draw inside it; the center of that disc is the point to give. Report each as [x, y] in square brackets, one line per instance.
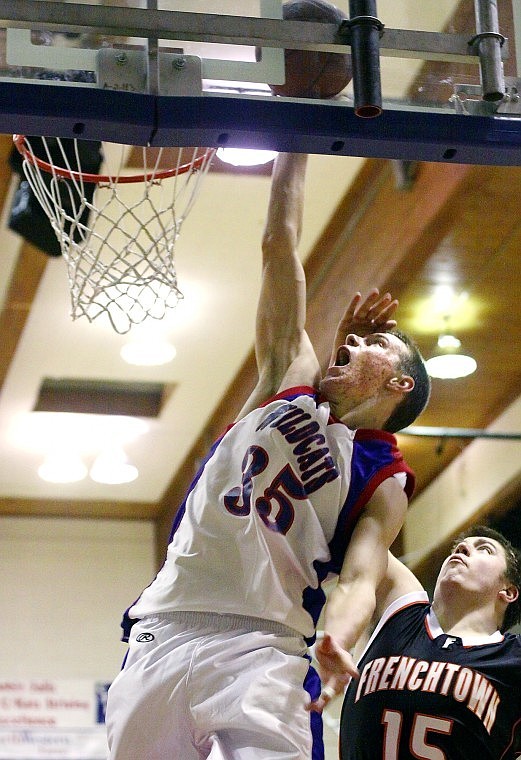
[101, 179]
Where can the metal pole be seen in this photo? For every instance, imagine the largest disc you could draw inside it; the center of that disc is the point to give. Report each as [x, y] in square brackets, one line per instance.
[516, 13]
[448, 432]
[488, 42]
[152, 48]
[365, 31]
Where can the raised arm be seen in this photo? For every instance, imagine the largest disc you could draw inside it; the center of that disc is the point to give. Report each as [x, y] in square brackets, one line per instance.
[352, 603]
[338, 665]
[398, 581]
[283, 351]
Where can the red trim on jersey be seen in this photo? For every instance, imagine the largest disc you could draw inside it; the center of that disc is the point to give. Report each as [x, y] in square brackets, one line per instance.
[298, 390]
[364, 434]
[430, 633]
[393, 468]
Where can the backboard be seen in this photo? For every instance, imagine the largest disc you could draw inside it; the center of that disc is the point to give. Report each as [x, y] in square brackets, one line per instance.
[186, 72]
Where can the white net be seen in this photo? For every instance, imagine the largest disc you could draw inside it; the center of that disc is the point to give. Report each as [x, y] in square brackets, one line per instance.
[117, 235]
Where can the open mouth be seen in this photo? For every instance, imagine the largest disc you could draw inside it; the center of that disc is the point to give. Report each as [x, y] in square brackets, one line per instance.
[343, 357]
[455, 558]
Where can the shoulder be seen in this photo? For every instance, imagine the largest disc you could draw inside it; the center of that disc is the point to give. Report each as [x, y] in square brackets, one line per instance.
[387, 497]
[513, 642]
[378, 457]
[412, 604]
[405, 616]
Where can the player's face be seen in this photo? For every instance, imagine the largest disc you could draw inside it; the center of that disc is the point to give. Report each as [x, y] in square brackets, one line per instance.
[476, 563]
[362, 368]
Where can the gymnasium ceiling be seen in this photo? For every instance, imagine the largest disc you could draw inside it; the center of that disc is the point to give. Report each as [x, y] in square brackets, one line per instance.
[447, 224]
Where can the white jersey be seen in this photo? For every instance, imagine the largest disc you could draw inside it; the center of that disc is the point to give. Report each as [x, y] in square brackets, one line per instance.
[270, 514]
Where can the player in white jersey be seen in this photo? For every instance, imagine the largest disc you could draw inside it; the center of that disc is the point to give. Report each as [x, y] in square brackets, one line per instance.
[217, 664]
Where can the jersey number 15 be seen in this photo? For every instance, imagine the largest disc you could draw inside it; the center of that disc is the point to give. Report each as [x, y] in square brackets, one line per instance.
[418, 745]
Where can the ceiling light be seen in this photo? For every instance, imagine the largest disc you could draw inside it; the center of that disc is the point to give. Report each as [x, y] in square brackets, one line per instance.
[449, 341]
[445, 311]
[451, 366]
[148, 353]
[62, 466]
[444, 298]
[245, 157]
[111, 468]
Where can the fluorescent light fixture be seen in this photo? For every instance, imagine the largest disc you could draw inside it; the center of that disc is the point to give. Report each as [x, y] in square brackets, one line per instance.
[451, 366]
[245, 157]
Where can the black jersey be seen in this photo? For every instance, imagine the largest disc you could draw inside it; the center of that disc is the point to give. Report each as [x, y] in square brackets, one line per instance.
[427, 695]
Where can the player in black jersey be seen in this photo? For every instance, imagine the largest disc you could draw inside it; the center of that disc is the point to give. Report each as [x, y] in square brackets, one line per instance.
[442, 681]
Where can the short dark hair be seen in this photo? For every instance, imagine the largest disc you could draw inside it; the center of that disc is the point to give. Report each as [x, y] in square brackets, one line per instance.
[414, 402]
[512, 572]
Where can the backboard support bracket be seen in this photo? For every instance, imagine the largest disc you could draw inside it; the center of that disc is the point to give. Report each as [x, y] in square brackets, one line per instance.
[126, 70]
[468, 101]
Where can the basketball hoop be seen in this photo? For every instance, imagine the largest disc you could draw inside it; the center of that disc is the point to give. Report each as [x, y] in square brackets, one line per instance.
[118, 239]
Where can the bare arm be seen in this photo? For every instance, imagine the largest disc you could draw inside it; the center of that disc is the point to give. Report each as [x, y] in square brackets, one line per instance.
[397, 582]
[285, 356]
[352, 603]
[283, 351]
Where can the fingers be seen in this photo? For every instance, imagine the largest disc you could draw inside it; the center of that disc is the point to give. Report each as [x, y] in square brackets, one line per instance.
[364, 315]
[333, 688]
[384, 309]
[353, 305]
[349, 314]
[326, 644]
[377, 309]
[337, 668]
[335, 660]
[374, 309]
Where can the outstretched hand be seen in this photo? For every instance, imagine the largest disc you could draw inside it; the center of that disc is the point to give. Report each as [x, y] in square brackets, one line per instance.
[363, 317]
[337, 667]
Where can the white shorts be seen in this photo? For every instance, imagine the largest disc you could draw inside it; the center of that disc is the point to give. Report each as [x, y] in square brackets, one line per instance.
[198, 685]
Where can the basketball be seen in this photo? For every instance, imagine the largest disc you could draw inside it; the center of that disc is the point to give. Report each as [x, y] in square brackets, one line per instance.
[311, 73]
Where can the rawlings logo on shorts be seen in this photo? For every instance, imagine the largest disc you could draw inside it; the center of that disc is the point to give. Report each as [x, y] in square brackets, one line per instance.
[145, 637]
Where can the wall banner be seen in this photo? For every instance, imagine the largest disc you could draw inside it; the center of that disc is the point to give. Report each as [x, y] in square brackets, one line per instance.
[46, 719]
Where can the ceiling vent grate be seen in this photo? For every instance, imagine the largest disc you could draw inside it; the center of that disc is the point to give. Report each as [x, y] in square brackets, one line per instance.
[136, 399]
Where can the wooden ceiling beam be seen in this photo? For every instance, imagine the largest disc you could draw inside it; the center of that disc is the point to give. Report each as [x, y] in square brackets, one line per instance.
[24, 280]
[81, 508]
[374, 231]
